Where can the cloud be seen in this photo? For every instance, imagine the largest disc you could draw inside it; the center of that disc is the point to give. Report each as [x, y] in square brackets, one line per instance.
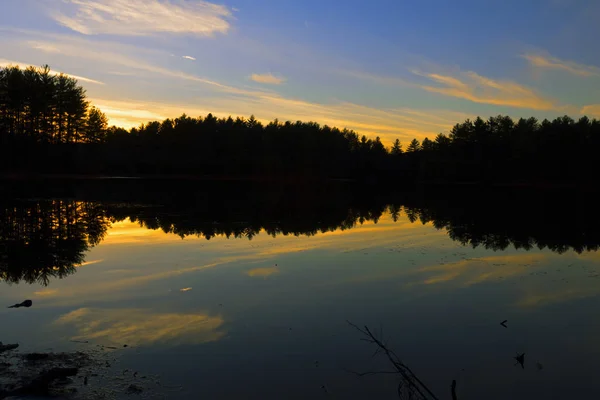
[136, 327]
[378, 79]
[389, 124]
[548, 62]
[479, 89]
[189, 58]
[6, 63]
[592, 110]
[104, 53]
[143, 17]
[222, 100]
[268, 79]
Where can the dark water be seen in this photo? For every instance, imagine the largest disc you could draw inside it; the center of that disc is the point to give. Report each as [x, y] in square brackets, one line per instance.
[245, 293]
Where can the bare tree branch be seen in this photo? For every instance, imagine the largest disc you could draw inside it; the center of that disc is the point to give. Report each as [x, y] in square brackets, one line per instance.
[404, 371]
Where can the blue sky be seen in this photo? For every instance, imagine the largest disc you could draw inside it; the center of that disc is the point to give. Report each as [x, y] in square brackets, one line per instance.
[392, 69]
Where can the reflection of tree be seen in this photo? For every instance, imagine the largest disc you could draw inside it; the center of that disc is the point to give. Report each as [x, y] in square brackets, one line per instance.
[523, 220]
[245, 215]
[45, 239]
[40, 240]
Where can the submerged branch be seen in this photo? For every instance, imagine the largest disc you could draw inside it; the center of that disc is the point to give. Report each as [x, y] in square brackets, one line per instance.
[402, 369]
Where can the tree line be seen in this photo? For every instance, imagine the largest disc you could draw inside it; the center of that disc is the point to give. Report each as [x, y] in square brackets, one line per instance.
[42, 107]
[47, 125]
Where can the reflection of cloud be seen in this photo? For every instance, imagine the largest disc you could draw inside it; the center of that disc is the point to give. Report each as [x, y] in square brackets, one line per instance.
[269, 79]
[386, 233]
[90, 263]
[46, 292]
[143, 17]
[479, 89]
[473, 271]
[263, 272]
[6, 63]
[141, 327]
[127, 232]
[548, 62]
[557, 295]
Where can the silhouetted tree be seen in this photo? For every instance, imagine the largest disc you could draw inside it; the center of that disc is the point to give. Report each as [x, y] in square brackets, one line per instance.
[396, 149]
[427, 145]
[414, 146]
[47, 125]
[96, 126]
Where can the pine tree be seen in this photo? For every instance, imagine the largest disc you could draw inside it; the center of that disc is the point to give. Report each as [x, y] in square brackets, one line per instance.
[414, 146]
[96, 126]
[396, 148]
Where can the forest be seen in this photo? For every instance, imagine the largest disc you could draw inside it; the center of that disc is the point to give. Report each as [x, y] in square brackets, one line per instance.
[47, 126]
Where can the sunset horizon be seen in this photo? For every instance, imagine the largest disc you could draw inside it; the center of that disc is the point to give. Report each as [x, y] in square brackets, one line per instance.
[391, 70]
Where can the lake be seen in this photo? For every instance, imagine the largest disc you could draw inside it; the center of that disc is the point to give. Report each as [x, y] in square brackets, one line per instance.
[242, 292]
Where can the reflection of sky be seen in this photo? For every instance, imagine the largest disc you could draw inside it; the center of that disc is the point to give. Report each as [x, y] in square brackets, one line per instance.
[262, 311]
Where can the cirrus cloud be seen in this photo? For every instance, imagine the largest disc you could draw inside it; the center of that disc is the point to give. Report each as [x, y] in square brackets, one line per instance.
[480, 89]
[143, 17]
[548, 62]
[6, 63]
[592, 110]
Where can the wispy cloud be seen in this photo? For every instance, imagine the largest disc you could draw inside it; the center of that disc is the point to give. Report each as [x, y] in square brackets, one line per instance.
[549, 62]
[103, 53]
[592, 110]
[225, 99]
[5, 63]
[480, 89]
[388, 124]
[378, 79]
[269, 79]
[143, 17]
[189, 58]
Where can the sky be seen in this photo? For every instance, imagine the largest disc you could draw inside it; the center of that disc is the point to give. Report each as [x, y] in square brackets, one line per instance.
[388, 68]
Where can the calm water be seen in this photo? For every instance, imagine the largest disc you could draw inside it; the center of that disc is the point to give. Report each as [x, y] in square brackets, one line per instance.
[259, 310]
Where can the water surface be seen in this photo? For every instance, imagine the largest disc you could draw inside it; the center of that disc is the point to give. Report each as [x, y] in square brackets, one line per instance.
[251, 301]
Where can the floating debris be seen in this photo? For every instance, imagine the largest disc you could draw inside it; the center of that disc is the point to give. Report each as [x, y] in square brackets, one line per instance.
[26, 303]
[520, 360]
